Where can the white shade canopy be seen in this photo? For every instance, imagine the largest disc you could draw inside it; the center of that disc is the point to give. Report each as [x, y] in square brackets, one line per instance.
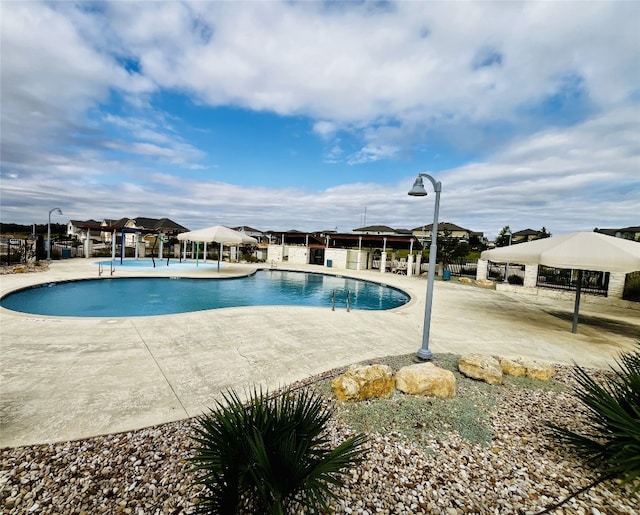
[218, 234]
[577, 251]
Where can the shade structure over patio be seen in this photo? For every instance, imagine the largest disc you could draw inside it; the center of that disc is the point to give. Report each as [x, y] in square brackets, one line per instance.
[578, 251]
[219, 234]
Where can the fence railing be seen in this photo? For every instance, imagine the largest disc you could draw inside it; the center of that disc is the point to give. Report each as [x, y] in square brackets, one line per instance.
[463, 268]
[595, 283]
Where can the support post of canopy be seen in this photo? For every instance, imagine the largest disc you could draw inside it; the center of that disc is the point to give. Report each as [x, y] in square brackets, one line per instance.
[576, 307]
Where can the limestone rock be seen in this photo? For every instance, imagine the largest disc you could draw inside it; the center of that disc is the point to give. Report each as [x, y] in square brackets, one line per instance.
[484, 368]
[512, 368]
[426, 379]
[539, 371]
[361, 382]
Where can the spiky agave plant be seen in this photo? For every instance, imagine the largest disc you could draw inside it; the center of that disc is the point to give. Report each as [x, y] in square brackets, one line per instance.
[268, 453]
[611, 443]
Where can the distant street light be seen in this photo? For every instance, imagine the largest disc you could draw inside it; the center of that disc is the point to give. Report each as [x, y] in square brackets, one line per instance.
[418, 191]
[49, 232]
[506, 266]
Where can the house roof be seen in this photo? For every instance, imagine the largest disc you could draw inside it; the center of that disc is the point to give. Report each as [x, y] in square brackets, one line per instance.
[84, 222]
[526, 232]
[376, 228]
[448, 226]
[246, 228]
[351, 240]
[375, 241]
[159, 223]
[115, 223]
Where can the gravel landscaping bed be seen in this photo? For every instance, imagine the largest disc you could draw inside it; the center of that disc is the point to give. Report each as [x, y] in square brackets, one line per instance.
[519, 469]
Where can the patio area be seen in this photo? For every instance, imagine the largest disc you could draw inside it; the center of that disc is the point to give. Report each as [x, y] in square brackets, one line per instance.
[68, 378]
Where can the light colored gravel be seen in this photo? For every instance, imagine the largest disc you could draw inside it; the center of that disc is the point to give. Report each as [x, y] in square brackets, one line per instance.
[146, 472]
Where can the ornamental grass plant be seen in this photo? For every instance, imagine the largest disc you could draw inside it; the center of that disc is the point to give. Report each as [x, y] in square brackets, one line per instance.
[270, 454]
[611, 445]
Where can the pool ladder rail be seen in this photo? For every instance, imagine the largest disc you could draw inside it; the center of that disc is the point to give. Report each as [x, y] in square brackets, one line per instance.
[333, 301]
[112, 268]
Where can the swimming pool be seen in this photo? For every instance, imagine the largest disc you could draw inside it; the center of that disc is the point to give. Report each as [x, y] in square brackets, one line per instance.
[161, 264]
[145, 296]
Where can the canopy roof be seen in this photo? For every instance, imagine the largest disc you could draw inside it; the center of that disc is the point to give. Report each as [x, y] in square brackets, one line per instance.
[577, 251]
[218, 234]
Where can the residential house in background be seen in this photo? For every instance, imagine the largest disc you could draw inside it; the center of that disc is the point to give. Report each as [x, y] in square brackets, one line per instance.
[424, 232]
[627, 233]
[378, 230]
[525, 235]
[146, 226]
[250, 231]
[77, 228]
[141, 230]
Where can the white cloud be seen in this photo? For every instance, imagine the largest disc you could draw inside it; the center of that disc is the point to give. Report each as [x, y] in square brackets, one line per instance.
[393, 77]
[324, 129]
[370, 153]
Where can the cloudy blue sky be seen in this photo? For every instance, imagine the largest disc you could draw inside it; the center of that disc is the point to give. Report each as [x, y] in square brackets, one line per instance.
[302, 115]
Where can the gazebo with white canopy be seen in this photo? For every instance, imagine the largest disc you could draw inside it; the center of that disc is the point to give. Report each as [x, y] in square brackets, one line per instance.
[218, 234]
[577, 251]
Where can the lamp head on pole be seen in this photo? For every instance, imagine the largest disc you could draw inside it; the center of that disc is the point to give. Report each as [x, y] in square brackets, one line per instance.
[418, 188]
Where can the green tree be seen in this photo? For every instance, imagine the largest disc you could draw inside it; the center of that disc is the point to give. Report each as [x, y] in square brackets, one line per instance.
[503, 238]
[543, 233]
[475, 243]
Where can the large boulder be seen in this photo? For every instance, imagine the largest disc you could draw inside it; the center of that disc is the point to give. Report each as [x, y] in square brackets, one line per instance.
[512, 368]
[483, 368]
[361, 382]
[426, 379]
[539, 371]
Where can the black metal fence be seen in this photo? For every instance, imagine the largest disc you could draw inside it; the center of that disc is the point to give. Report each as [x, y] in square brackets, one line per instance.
[463, 268]
[593, 282]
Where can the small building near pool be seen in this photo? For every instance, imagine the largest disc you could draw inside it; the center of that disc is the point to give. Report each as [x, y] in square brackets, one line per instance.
[348, 251]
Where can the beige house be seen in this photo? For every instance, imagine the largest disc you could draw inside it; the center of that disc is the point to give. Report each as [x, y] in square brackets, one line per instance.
[424, 232]
[378, 230]
[525, 235]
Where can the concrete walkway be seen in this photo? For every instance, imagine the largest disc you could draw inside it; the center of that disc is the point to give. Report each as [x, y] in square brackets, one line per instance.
[67, 378]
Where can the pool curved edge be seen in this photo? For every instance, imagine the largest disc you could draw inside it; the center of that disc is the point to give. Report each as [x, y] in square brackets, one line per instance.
[122, 360]
[237, 274]
[81, 270]
[355, 275]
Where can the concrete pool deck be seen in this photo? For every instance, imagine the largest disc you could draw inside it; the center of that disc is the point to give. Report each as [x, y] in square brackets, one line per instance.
[64, 378]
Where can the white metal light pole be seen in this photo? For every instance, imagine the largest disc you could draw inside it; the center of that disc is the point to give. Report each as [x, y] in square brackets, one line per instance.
[49, 232]
[418, 191]
[506, 266]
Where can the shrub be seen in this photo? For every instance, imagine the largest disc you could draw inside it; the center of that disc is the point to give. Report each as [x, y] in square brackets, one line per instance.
[612, 444]
[632, 287]
[268, 455]
[515, 279]
[496, 276]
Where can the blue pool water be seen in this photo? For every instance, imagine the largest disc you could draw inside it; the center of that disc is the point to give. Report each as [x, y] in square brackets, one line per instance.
[143, 296]
[161, 264]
